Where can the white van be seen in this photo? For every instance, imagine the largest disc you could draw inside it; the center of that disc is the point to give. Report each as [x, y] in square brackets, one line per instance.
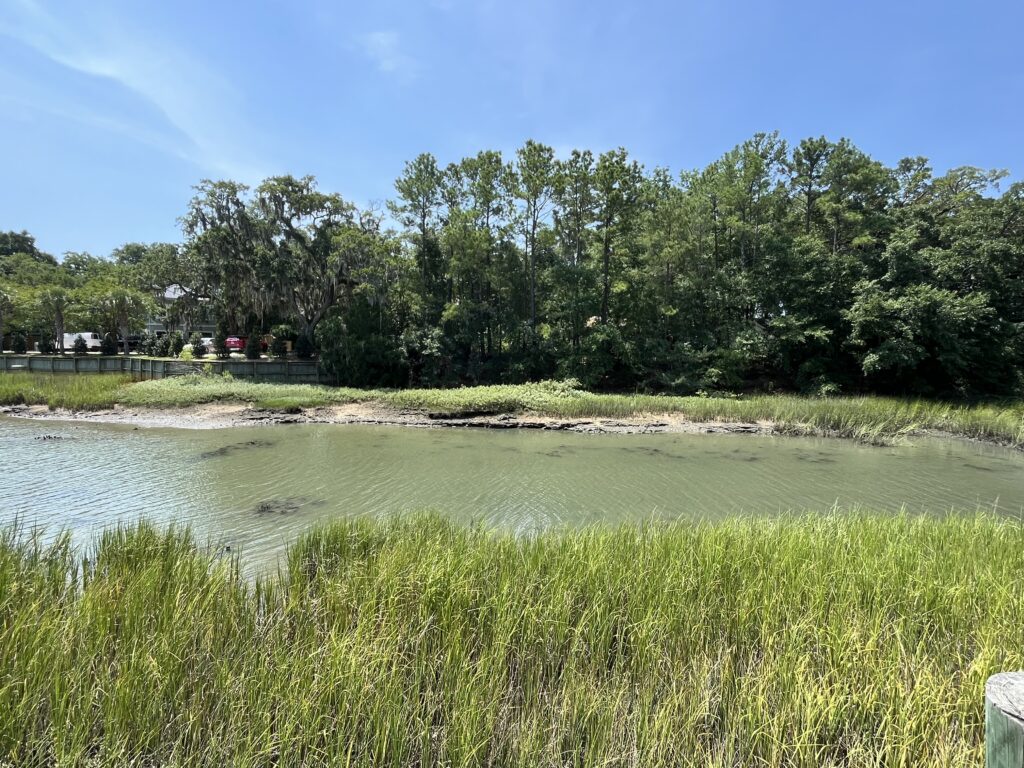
[92, 340]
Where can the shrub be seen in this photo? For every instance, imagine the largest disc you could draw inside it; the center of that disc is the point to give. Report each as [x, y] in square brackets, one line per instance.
[220, 345]
[252, 347]
[375, 360]
[175, 343]
[147, 343]
[80, 347]
[829, 389]
[198, 348]
[161, 345]
[46, 346]
[304, 348]
[18, 344]
[108, 346]
[279, 343]
[282, 335]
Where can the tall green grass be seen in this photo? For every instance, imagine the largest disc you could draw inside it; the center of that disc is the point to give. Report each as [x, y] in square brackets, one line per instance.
[811, 641]
[71, 391]
[182, 391]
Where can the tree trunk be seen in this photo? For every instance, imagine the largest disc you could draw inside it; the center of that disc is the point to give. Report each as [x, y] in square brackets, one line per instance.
[124, 338]
[308, 329]
[605, 275]
[58, 327]
[533, 272]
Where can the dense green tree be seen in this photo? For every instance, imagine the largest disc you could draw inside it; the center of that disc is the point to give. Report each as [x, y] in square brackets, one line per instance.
[810, 267]
[6, 308]
[54, 302]
[222, 256]
[574, 218]
[418, 208]
[532, 184]
[127, 309]
[315, 241]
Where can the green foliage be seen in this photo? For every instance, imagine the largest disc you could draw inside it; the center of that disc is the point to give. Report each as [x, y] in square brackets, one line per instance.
[356, 361]
[162, 346]
[220, 345]
[18, 344]
[808, 267]
[853, 640]
[282, 334]
[304, 348]
[279, 347]
[175, 343]
[79, 346]
[253, 346]
[108, 345]
[46, 346]
[147, 343]
[199, 350]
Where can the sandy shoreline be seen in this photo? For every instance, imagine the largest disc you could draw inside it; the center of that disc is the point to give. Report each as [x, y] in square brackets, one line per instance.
[223, 415]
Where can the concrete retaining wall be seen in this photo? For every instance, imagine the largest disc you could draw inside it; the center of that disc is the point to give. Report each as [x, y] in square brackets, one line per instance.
[278, 371]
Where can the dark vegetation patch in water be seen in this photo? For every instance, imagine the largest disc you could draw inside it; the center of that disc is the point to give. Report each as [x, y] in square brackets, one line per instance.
[229, 449]
[286, 506]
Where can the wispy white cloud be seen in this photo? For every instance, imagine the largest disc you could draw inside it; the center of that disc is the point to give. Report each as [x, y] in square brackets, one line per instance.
[200, 106]
[384, 49]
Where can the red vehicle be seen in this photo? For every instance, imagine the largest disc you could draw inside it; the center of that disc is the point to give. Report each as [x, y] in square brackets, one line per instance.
[237, 343]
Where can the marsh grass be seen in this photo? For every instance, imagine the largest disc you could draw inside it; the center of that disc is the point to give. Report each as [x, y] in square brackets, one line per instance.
[870, 419]
[806, 641]
[70, 391]
[183, 391]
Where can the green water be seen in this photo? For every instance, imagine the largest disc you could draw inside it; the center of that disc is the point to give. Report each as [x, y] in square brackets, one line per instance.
[256, 489]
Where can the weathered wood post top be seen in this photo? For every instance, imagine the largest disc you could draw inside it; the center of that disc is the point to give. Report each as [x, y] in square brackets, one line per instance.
[1004, 720]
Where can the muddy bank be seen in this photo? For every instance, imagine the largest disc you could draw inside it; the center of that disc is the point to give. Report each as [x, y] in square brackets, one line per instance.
[223, 415]
[220, 415]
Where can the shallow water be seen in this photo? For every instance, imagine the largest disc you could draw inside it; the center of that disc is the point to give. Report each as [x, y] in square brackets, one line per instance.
[255, 489]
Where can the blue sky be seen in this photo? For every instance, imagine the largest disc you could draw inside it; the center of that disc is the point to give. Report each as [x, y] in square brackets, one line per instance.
[110, 110]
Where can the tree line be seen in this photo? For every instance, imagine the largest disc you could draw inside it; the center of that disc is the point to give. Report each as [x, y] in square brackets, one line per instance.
[808, 267]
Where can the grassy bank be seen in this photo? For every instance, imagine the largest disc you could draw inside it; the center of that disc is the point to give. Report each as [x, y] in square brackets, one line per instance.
[75, 392]
[869, 418]
[829, 641]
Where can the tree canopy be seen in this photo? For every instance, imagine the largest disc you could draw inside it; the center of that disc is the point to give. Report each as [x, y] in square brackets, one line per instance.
[810, 267]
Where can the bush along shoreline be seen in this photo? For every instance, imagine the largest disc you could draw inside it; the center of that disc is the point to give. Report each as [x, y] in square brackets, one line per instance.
[868, 418]
[814, 640]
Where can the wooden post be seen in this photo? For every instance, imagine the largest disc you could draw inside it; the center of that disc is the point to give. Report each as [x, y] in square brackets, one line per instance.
[1004, 720]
